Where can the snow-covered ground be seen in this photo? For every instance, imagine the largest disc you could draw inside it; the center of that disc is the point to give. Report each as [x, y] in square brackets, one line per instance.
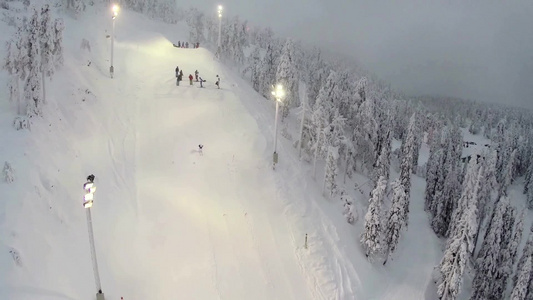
[169, 222]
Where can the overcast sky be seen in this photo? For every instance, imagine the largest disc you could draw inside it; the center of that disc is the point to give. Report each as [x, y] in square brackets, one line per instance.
[477, 49]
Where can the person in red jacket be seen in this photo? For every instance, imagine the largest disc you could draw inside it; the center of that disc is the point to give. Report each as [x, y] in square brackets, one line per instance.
[190, 78]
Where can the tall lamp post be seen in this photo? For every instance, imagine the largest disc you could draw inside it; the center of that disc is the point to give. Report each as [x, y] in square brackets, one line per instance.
[278, 93]
[90, 188]
[219, 28]
[114, 16]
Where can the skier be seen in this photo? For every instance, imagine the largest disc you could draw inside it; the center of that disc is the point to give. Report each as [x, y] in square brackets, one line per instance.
[181, 73]
[197, 44]
[187, 45]
[180, 77]
[190, 78]
[201, 82]
[179, 44]
[200, 147]
[218, 82]
[177, 71]
[196, 75]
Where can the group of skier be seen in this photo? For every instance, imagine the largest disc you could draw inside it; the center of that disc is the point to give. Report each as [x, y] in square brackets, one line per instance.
[186, 45]
[179, 77]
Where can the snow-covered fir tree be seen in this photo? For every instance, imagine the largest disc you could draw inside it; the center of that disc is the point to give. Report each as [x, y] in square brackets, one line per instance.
[488, 258]
[371, 238]
[287, 76]
[468, 194]
[383, 163]
[520, 288]
[316, 75]
[456, 256]
[47, 47]
[32, 86]
[14, 64]
[396, 218]
[331, 173]
[508, 176]
[254, 67]
[445, 201]
[527, 178]
[433, 170]
[527, 252]
[58, 42]
[406, 164]
[321, 116]
[268, 71]
[506, 258]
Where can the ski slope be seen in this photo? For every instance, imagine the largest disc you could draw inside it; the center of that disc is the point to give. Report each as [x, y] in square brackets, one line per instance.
[171, 222]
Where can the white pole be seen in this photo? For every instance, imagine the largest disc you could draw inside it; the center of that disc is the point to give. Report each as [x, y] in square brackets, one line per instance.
[276, 126]
[301, 131]
[111, 69]
[93, 251]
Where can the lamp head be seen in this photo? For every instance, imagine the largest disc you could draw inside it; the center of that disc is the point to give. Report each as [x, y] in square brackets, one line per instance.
[115, 10]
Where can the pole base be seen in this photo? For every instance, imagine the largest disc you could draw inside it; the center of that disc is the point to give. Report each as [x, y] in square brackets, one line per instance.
[100, 296]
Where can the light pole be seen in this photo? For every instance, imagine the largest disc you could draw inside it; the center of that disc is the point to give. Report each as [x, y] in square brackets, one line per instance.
[88, 203]
[114, 16]
[278, 94]
[219, 28]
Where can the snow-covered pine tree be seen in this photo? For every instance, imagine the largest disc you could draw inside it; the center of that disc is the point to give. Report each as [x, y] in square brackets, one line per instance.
[321, 116]
[32, 86]
[520, 288]
[433, 166]
[58, 43]
[507, 254]
[468, 194]
[268, 71]
[317, 74]
[527, 179]
[46, 40]
[287, 75]
[489, 255]
[395, 221]
[365, 133]
[331, 172]
[457, 255]
[383, 162]
[406, 164]
[255, 72]
[508, 176]
[529, 195]
[527, 252]
[371, 239]
[418, 135]
[14, 65]
[440, 222]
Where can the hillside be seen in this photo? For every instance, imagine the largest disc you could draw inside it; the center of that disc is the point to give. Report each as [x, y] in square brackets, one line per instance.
[171, 222]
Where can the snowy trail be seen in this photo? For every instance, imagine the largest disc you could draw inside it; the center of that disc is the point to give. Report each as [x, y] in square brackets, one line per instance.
[198, 229]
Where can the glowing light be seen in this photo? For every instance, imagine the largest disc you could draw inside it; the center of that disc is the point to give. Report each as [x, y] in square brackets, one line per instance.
[89, 194]
[278, 92]
[115, 9]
